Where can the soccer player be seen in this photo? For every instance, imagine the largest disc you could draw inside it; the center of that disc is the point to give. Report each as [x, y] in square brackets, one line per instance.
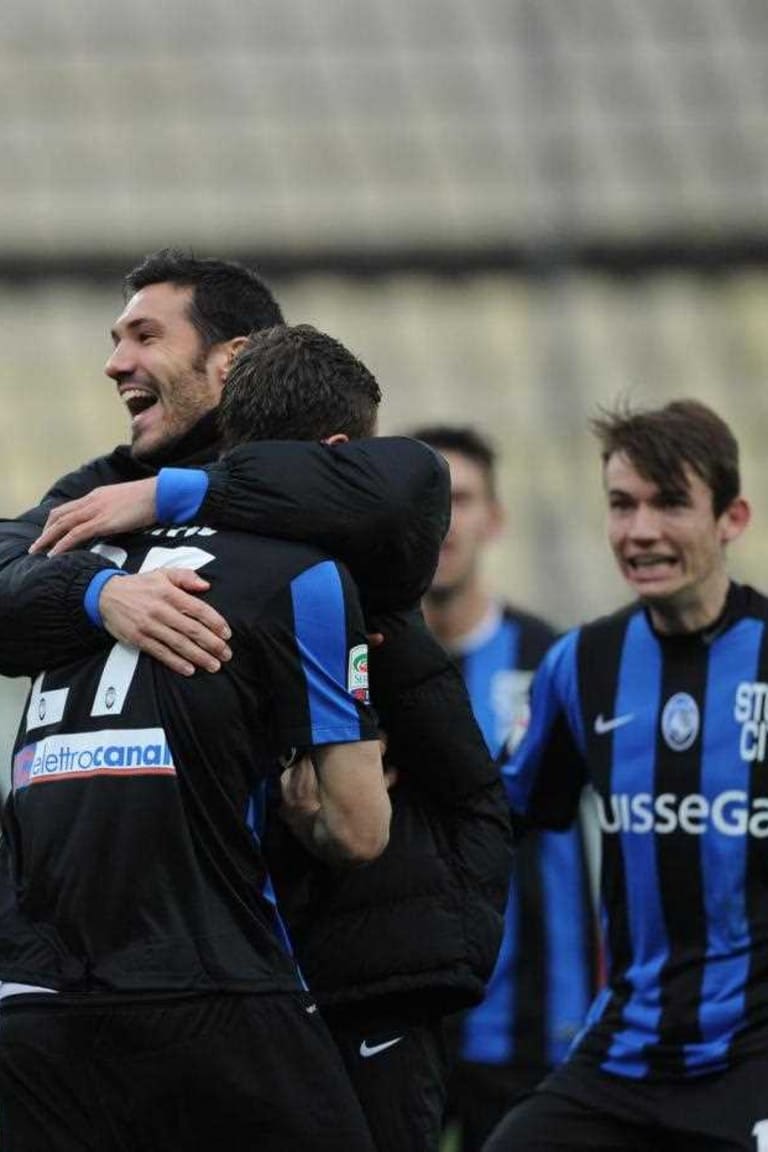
[381, 505]
[545, 976]
[388, 951]
[156, 1003]
[662, 706]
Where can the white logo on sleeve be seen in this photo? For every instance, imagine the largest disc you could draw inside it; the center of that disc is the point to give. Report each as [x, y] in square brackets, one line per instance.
[367, 1050]
[760, 1133]
[357, 672]
[608, 724]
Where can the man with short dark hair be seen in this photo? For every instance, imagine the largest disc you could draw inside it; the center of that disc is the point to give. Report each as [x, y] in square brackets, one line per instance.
[544, 978]
[380, 505]
[661, 707]
[183, 321]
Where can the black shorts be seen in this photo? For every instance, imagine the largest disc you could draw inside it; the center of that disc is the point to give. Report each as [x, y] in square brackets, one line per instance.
[399, 1071]
[581, 1109]
[187, 1075]
[479, 1095]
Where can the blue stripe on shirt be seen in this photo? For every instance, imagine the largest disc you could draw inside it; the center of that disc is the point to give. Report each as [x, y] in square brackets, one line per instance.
[638, 693]
[320, 628]
[564, 899]
[723, 856]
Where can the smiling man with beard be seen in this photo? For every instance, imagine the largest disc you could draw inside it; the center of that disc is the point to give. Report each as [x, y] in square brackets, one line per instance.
[381, 505]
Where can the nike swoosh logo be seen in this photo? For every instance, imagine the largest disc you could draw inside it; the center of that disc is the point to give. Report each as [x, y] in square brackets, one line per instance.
[367, 1049]
[602, 725]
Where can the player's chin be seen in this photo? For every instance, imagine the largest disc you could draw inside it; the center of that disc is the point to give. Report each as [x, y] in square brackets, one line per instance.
[145, 444]
[656, 589]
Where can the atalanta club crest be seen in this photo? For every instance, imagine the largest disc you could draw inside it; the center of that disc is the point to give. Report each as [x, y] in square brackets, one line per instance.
[680, 722]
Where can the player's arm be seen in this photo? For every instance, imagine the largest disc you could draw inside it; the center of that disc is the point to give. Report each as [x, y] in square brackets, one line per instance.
[43, 620]
[336, 802]
[54, 610]
[311, 657]
[545, 773]
[381, 505]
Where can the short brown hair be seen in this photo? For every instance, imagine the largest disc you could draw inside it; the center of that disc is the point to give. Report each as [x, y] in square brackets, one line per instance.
[660, 442]
[296, 383]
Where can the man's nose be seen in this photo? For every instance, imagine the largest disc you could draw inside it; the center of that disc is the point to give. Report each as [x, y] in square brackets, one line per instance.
[119, 363]
[645, 523]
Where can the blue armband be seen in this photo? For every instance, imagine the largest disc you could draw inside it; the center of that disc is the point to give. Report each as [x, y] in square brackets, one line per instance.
[179, 494]
[93, 591]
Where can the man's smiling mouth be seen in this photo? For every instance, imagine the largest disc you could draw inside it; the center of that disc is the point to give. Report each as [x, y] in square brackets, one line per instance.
[639, 563]
[137, 400]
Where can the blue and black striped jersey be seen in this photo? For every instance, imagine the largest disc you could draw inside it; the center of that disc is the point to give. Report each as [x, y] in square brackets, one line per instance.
[672, 732]
[132, 837]
[544, 978]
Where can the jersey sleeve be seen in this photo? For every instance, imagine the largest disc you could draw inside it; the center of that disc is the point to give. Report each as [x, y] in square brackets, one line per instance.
[381, 505]
[313, 661]
[545, 773]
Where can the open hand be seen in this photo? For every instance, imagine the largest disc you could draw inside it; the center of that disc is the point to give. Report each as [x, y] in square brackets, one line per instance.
[105, 511]
[161, 613]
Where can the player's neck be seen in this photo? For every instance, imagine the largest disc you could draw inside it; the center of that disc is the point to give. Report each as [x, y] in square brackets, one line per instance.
[454, 615]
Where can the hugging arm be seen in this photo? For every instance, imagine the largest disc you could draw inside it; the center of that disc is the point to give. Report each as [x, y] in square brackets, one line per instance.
[57, 609]
[380, 505]
[43, 621]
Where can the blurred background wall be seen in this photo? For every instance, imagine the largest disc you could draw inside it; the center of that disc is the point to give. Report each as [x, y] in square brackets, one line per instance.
[512, 210]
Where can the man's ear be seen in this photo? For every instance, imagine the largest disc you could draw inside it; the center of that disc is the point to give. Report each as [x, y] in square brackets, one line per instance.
[337, 438]
[735, 519]
[232, 347]
[223, 355]
[496, 521]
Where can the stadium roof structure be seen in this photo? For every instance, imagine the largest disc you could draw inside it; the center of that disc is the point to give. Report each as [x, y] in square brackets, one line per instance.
[367, 127]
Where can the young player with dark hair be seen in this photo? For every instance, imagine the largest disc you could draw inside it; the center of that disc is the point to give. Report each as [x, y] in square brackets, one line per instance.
[662, 707]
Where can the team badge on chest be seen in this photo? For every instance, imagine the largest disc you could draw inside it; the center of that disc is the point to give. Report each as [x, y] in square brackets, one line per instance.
[680, 722]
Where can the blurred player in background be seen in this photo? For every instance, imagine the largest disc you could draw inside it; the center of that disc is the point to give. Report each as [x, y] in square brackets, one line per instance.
[545, 975]
[662, 707]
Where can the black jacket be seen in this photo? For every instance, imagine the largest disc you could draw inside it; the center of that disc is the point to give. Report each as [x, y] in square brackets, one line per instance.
[417, 931]
[380, 505]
